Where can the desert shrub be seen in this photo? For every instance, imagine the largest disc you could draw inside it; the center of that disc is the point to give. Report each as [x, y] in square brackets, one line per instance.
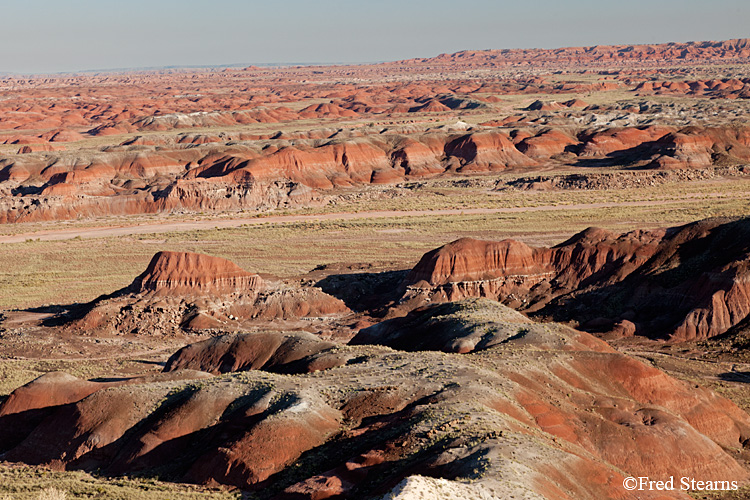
[52, 494]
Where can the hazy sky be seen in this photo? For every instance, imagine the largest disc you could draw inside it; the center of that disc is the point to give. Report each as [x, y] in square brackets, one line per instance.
[68, 35]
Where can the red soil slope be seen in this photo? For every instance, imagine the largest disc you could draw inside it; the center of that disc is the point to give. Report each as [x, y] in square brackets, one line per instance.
[684, 283]
[550, 410]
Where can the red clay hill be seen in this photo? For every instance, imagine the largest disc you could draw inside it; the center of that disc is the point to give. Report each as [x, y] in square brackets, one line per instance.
[189, 273]
[543, 409]
[187, 291]
[684, 283]
[275, 174]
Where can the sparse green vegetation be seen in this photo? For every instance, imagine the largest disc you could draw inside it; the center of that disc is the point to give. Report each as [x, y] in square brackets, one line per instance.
[31, 483]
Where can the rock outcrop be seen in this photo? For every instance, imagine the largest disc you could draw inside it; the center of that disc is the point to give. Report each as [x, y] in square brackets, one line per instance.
[177, 273]
[683, 283]
[183, 291]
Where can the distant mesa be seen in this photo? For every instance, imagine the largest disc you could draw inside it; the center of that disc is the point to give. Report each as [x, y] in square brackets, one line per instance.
[689, 52]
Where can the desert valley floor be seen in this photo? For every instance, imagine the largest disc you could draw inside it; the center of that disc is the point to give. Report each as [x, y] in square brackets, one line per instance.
[489, 274]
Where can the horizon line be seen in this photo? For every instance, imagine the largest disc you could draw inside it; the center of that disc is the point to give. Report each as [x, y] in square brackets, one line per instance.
[11, 74]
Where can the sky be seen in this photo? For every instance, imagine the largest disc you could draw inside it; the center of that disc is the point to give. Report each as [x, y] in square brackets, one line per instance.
[48, 36]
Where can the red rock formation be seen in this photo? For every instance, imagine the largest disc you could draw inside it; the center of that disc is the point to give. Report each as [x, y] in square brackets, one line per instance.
[187, 291]
[544, 106]
[417, 158]
[179, 273]
[197, 139]
[727, 88]
[546, 144]
[51, 389]
[35, 148]
[636, 274]
[695, 147]
[483, 151]
[326, 111]
[575, 103]
[468, 260]
[62, 135]
[621, 139]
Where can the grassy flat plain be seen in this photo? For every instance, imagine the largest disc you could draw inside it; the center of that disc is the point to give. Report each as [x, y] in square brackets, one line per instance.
[36, 273]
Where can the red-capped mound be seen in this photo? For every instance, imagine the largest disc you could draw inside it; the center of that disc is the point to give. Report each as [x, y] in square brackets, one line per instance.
[61, 189]
[486, 151]
[544, 106]
[575, 103]
[62, 136]
[185, 272]
[270, 351]
[684, 283]
[120, 128]
[196, 139]
[143, 141]
[182, 291]
[546, 144]
[326, 111]
[696, 147]
[23, 139]
[431, 106]
[468, 260]
[621, 139]
[524, 276]
[418, 158]
[30, 405]
[51, 389]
